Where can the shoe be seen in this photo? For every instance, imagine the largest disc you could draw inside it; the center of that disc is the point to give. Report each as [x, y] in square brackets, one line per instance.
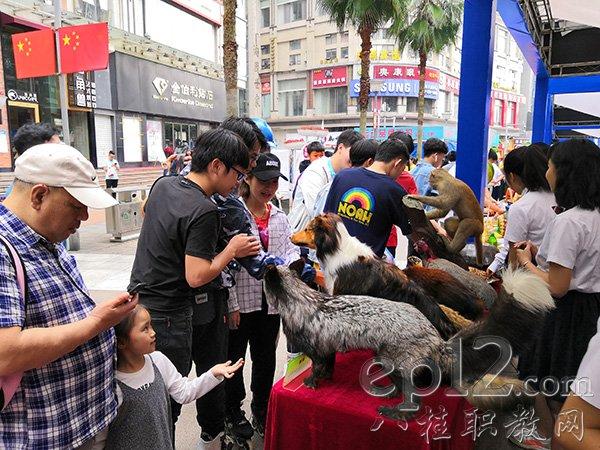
[259, 426]
[531, 443]
[237, 425]
[209, 442]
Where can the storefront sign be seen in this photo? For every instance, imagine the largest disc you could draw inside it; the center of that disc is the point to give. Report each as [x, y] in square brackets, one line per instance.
[405, 72]
[383, 132]
[330, 77]
[448, 83]
[398, 88]
[147, 87]
[82, 90]
[265, 84]
[21, 96]
[508, 96]
[210, 10]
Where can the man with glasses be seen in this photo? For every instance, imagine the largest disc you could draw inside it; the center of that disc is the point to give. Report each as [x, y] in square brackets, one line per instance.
[179, 262]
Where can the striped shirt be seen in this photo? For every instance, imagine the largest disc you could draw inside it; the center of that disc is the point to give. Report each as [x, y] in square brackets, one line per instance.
[246, 295]
[68, 401]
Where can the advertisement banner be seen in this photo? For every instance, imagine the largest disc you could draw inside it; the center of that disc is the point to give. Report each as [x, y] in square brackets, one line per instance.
[448, 83]
[330, 77]
[391, 71]
[383, 132]
[398, 88]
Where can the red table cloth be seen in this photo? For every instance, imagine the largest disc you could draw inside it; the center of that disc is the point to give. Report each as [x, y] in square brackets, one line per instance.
[341, 415]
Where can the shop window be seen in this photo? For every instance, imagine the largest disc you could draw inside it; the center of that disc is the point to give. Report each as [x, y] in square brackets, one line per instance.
[344, 52]
[295, 60]
[511, 118]
[266, 106]
[498, 112]
[265, 49]
[389, 104]
[412, 105]
[265, 64]
[292, 97]
[330, 54]
[291, 11]
[331, 100]
[296, 44]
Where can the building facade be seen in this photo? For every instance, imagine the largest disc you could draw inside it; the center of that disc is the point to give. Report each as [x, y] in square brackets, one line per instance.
[306, 72]
[164, 83]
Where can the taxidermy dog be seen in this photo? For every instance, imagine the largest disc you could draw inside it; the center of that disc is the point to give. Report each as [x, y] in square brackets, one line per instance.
[320, 325]
[351, 267]
[455, 195]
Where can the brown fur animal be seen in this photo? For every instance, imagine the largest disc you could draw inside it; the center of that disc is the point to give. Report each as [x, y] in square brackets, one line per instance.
[455, 195]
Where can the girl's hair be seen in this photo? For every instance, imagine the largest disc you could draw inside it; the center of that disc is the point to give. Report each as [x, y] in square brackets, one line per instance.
[577, 163]
[123, 328]
[244, 189]
[530, 164]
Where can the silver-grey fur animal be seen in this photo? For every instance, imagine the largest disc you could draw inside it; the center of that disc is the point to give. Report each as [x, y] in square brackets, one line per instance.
[320, 325]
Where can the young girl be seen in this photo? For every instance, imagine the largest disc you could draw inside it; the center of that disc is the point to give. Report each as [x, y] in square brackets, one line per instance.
[251, 320]
[525, 171]
[569, 261]
[145, 380]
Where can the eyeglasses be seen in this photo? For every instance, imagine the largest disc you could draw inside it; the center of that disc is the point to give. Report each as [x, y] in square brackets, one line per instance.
[240, 175]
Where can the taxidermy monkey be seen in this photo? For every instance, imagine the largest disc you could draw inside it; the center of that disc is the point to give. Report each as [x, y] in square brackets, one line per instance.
[455, 195]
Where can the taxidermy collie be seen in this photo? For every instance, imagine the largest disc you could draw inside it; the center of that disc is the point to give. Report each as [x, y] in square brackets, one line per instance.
[320, 325]
[351, 267]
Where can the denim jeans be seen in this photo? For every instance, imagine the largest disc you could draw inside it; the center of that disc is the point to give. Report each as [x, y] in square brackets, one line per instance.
[174, 340]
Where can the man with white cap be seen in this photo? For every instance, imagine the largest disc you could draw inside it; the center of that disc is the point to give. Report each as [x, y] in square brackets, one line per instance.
[62, 341]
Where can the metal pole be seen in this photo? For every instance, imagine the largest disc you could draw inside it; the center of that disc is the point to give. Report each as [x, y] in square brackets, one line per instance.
[62, 78]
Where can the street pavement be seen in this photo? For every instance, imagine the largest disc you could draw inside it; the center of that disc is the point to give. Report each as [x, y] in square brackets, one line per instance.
[105, 267]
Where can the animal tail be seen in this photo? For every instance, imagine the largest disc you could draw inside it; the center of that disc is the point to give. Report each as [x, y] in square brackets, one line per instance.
[479, 249]
[515, 318]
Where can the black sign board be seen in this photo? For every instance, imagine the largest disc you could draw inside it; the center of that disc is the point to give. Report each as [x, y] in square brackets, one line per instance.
[147, 87]
[82, 90]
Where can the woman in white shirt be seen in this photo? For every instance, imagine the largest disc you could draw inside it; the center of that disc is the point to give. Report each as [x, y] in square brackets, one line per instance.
[525, 171]
[569, 261]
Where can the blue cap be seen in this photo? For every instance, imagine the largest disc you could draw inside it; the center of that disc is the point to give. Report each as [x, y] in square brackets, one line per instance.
[265, 129]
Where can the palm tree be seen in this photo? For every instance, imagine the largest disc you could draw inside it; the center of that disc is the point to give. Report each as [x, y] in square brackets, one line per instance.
[367, 16]
[230, 58]
[431, 26]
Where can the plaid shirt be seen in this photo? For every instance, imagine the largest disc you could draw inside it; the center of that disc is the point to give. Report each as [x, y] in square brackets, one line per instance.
[69, 401]
[246, 295]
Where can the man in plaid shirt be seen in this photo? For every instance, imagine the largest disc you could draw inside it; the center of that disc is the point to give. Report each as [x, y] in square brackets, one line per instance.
[62, 341]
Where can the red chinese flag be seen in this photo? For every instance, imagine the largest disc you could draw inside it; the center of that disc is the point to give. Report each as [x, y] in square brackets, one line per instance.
[83, 47]
[35, 54]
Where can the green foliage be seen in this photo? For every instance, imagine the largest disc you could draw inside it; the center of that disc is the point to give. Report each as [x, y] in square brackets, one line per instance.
[369, 14]
[429, 26]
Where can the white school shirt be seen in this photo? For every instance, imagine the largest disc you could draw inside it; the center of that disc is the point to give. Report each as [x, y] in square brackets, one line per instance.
[527, 220]
[181, 389]
[573, 241]
[313, 179]
[111, 169]
[587, 383]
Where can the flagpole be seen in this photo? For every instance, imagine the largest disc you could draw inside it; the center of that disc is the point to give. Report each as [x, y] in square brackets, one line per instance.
[62, 78]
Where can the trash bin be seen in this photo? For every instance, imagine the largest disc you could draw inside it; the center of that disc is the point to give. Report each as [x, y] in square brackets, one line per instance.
[124, 220]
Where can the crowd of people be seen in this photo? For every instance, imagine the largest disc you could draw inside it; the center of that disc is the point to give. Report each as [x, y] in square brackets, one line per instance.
[115, 374]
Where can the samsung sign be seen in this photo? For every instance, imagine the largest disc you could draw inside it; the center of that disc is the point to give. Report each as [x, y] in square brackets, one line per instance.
[398, 88]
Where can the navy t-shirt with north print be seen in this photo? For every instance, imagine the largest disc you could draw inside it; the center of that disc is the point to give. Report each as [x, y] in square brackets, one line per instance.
[369, 203]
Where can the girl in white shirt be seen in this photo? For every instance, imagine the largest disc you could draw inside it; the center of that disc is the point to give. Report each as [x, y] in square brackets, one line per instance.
[146, 380]
[569, 261]
[525, 171]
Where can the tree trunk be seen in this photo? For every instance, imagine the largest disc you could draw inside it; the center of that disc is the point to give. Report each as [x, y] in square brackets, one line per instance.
[230, 58]
[365, 85]
[421, 103]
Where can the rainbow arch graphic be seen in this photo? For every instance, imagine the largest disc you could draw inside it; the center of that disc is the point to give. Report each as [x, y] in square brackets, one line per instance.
[361, 196]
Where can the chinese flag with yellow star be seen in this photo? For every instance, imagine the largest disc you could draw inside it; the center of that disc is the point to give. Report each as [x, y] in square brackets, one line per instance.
[35, 53]
[83, 47]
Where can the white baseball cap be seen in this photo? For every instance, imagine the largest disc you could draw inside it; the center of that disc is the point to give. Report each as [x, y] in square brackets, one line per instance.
[59, 165]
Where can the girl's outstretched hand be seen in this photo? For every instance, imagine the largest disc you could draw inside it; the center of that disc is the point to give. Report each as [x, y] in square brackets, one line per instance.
[226, 370]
